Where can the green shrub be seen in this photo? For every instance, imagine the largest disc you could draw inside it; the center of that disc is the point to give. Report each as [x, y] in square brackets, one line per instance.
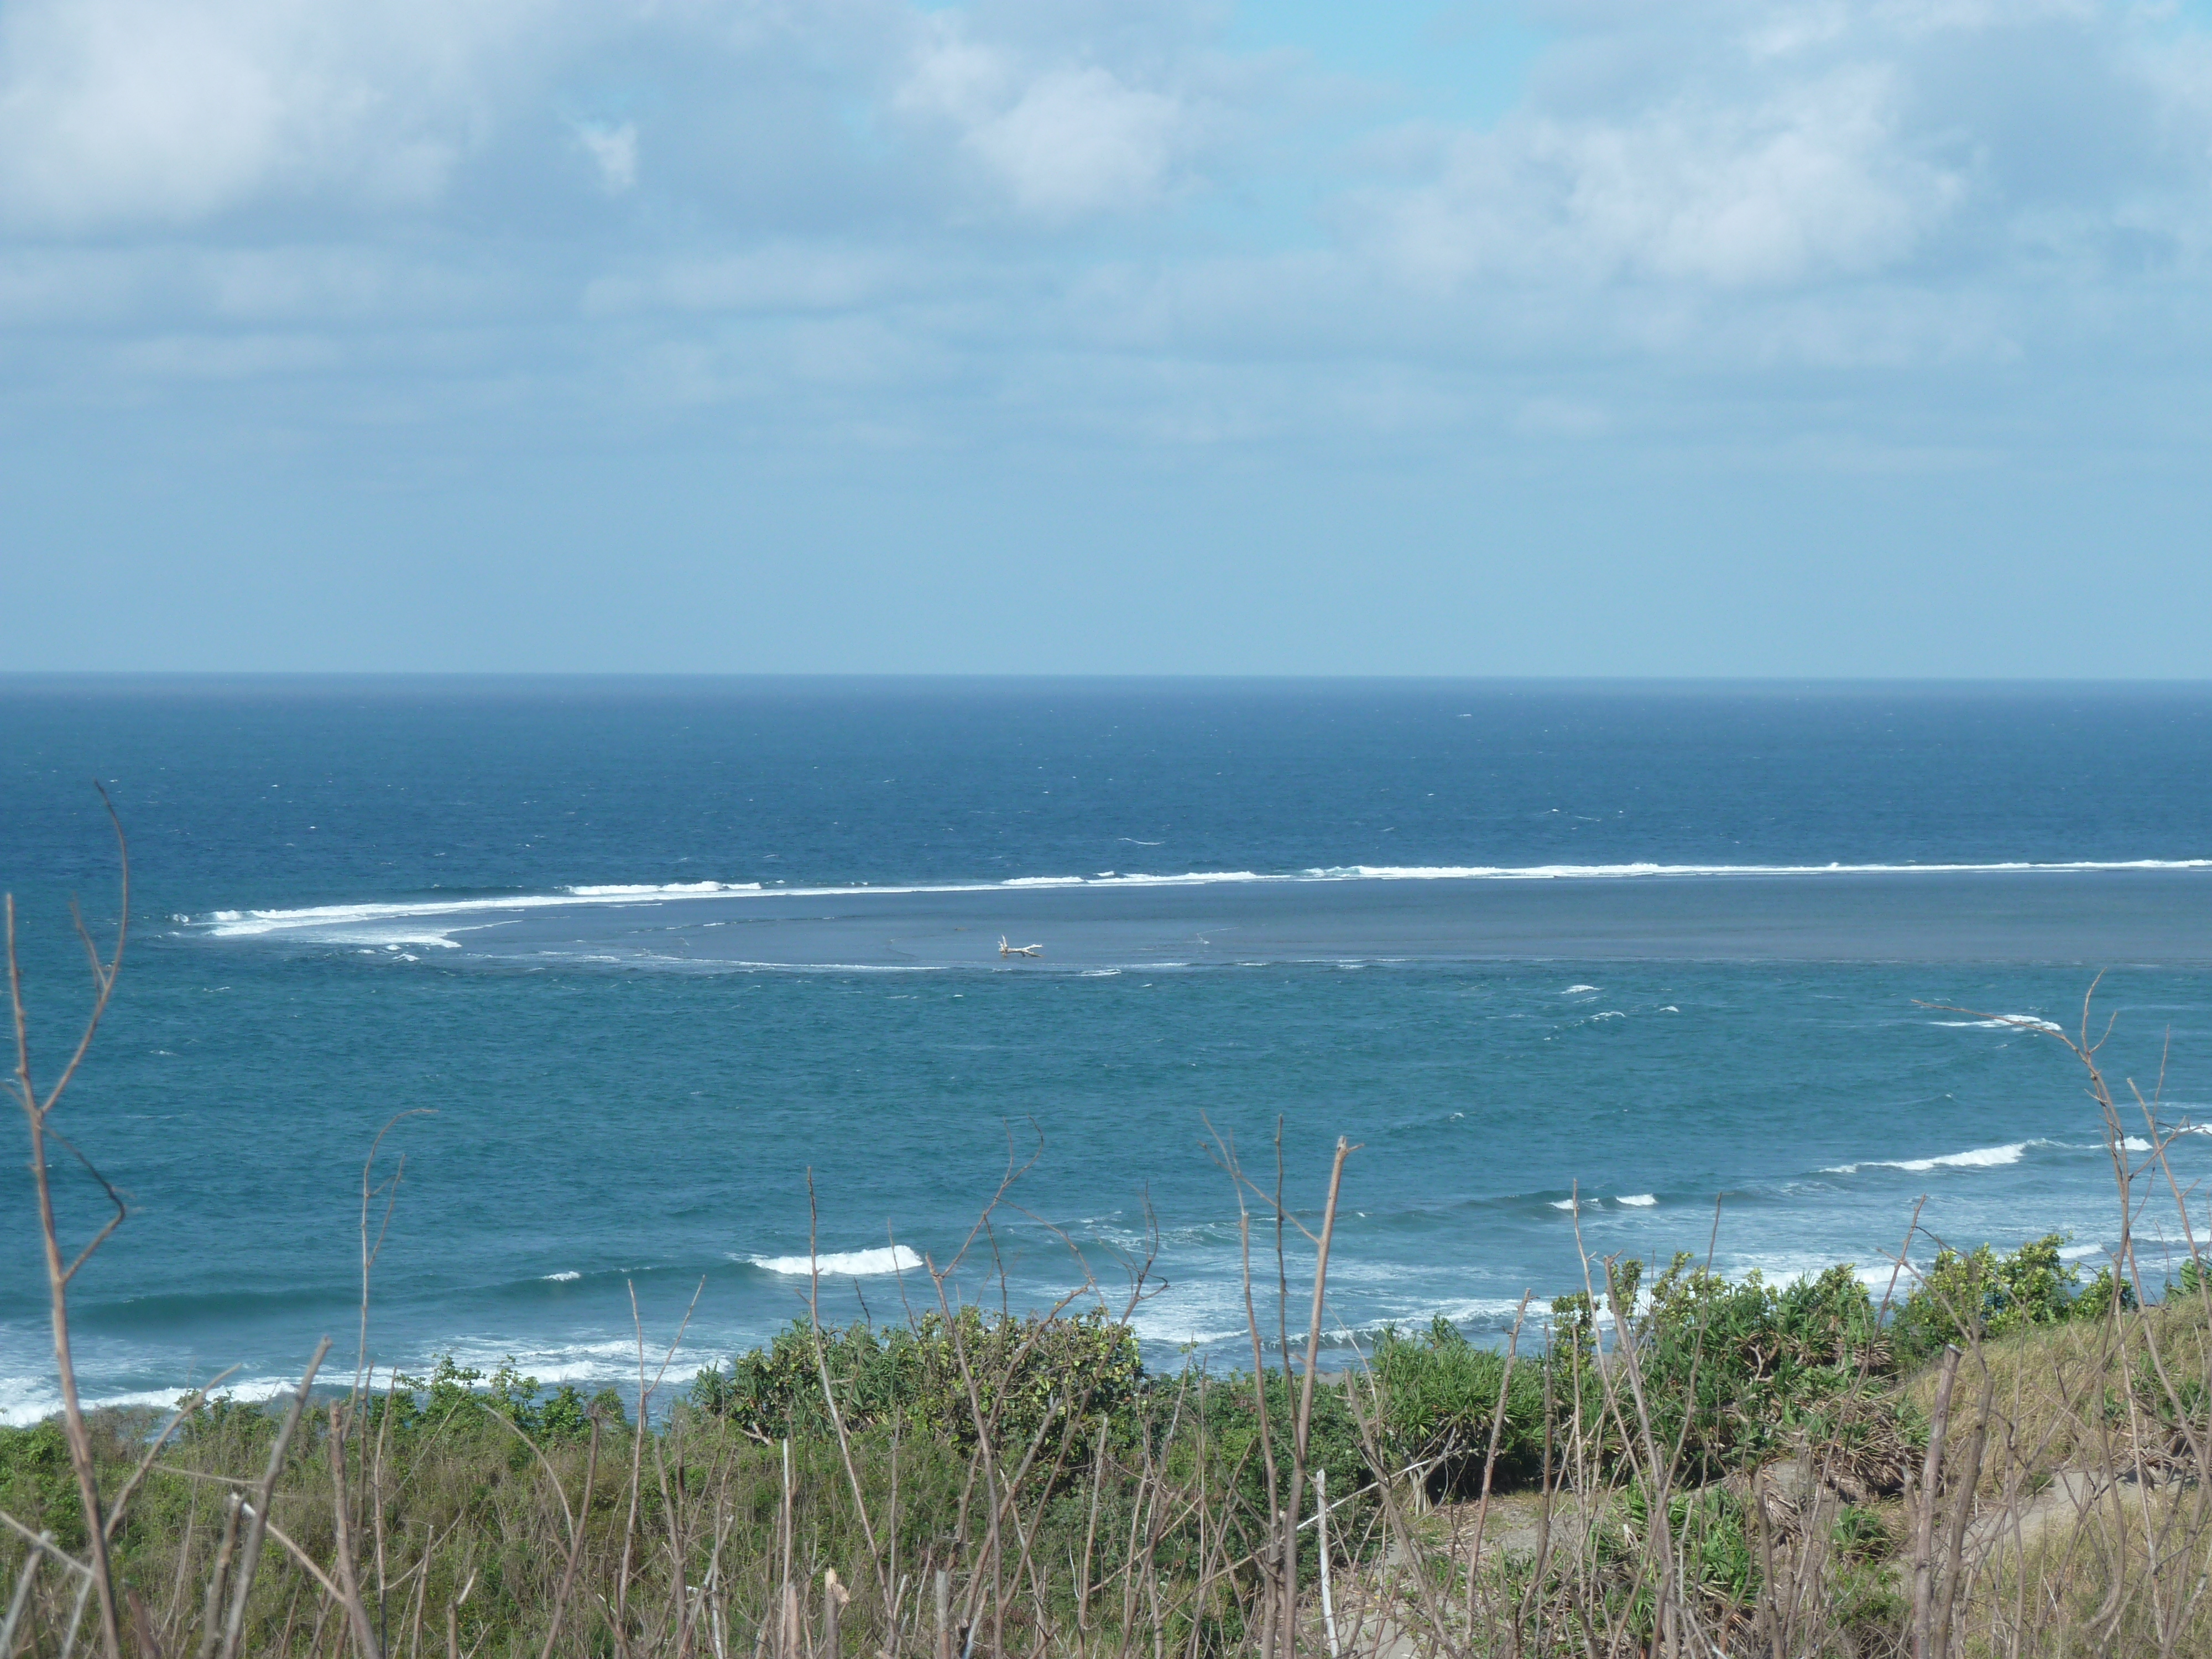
[1574, 1329]
[1862, 1534]
[38, 1484]
[1713, 1544]
[1733, 1369]
[921, 1375]
[1440, 1399]
[1229, 1410]
[2099, 1294]
[1982, 1294]
[449, 1401]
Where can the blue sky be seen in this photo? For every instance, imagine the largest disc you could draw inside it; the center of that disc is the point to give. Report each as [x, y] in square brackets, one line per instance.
[1576, 337]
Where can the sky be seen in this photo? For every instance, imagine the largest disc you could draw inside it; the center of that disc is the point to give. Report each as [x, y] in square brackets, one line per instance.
[1854, 337]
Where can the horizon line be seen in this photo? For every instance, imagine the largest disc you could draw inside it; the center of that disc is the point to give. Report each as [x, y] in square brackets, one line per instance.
[266, 675]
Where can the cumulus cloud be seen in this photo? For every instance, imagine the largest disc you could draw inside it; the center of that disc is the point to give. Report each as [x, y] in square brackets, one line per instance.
[1726, 184]
[1809, 183]
[1777, 146]
[168, 111]
[163, 113]
[1062, 139]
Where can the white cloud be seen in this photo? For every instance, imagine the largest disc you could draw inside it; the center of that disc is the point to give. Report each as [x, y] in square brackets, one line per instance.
[1736, 186]
[613, 150]
[1808, 181]
[1809, 185]
[1061, 139]
[166, 112]
[1078, 141]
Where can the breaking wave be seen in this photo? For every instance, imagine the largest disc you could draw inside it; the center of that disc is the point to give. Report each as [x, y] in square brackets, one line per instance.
[842, 1264]
[1978, 1157]
[238, 923]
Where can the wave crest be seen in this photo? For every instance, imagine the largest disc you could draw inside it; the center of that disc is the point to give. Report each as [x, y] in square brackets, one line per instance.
[842, 1264]
[234, 923]
[1978, 1158]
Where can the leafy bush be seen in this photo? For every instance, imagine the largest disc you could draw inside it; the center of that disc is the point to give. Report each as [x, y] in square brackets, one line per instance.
[1732, 1370]
[1229, 1408]
[1982, 1294]
[1862, 1534]
[37, 1484]
[449, 1401]
[1713, 1547]
[2109, 1286]
[921, 1375]
[1440, 1398]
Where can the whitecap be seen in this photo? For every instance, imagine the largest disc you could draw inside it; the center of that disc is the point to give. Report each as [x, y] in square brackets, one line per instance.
[569, 1277]
[1192, 878]
[25, 1401]
[1485, 1309]
[1602, 872]
[238, 923]
[1577, 990]
[664, 889]
[1563, 1204]
[842, 1264]
[1637, 1200]
[2002, 1023]
[245, 923]
[1978, 1157]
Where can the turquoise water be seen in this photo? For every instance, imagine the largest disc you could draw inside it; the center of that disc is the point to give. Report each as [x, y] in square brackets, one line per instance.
[652, 950]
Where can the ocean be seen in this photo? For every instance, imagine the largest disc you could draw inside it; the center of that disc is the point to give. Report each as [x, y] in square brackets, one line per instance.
[1578, 968]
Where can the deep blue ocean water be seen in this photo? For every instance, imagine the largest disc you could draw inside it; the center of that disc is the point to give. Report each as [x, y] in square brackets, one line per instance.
[651, 951]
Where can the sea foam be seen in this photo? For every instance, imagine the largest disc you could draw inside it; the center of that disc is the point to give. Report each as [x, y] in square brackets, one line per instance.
[842, 1264]
[1605, 871]
[231, 924]
[1978, 1157]
[237, 923]
[670, 890]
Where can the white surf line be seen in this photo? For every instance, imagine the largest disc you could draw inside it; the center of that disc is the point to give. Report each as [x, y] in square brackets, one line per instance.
[248, 923]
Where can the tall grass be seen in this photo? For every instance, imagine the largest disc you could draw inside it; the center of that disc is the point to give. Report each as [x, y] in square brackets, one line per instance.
[1994, 1456]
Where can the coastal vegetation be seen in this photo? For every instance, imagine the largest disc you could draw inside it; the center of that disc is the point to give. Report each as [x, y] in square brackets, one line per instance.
[1976, 1452]
[1743, 1462]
